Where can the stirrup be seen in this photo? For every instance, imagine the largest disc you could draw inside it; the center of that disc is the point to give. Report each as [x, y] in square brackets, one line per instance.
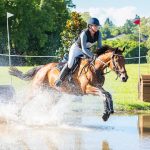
[58, 82]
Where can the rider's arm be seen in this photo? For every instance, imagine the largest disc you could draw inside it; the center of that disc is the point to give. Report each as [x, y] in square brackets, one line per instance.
[99, 41]
[85, 50]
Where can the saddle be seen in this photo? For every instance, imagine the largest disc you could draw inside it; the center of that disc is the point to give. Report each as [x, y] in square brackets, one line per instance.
[62, 63]
[99, 74]
[75, 65]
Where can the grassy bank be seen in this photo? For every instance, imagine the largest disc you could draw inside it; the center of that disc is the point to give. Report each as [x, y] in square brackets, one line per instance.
[125, 95]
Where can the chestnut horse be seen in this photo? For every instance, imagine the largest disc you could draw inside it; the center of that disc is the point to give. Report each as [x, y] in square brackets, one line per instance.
[88, 78]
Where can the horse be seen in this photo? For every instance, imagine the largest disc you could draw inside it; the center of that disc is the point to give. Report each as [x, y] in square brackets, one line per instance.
[88, 78]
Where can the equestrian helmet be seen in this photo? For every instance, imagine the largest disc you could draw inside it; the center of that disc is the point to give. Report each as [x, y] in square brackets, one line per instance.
[93, 21]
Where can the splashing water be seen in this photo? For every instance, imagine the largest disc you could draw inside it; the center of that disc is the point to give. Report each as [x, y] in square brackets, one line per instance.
[48, 107]
[52, 120]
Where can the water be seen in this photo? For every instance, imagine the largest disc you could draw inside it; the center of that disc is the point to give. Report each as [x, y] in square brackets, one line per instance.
[61, 122]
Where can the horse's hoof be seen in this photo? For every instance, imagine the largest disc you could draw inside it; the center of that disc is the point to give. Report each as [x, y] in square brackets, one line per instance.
[112, 111]
[105, 116]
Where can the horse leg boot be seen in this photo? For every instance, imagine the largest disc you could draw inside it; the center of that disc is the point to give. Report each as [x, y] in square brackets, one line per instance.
[62, 75]
[110, 103]
[108, 106]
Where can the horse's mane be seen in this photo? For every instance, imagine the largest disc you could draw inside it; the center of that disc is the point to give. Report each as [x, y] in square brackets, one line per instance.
[104, 49]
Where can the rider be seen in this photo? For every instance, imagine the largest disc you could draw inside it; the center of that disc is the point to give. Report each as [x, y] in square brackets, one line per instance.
[82, 46]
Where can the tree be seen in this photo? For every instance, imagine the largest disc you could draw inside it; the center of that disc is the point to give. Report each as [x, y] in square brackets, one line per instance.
[36, 26]
[132, 48]
[115, 31]
[128, 27]
[108, 23]
[73, 28]
[107, 28]
[86, 16]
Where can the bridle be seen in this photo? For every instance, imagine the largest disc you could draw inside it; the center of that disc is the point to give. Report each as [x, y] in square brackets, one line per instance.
[114, 68]
[105, 65]
[115, 65]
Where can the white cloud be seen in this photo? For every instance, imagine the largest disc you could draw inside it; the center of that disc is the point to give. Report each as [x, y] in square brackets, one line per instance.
[117, 15]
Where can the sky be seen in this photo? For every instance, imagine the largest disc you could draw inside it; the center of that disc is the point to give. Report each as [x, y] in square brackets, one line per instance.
[117, 10]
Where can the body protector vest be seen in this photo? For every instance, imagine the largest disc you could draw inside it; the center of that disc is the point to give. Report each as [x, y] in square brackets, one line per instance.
[90, 39]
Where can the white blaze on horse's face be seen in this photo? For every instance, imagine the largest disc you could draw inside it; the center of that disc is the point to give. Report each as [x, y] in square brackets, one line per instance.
[118, 63]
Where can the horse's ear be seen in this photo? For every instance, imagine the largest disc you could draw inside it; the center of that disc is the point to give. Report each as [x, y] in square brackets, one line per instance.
[116, 49]
[123, 49]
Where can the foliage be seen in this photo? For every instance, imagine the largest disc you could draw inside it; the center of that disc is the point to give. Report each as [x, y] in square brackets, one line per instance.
[47, 27]
[106, 29]
[86, 16]
[132, 48]
[109, 30]
[73, 28]
[36, 25]
[128, 27]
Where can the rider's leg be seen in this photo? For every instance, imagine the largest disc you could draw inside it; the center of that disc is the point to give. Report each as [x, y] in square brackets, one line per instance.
[62, 75]
[74, 52]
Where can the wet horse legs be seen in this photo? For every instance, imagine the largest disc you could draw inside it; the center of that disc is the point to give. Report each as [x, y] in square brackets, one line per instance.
[108, 103]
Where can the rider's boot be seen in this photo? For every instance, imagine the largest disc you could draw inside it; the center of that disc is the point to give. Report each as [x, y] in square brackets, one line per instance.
[62, 75]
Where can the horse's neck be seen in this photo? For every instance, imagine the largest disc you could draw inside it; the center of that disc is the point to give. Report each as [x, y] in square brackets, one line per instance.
[100, 63]
[103, 60]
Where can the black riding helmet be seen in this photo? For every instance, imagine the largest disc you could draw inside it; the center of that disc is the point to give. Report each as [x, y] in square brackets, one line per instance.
[93, 21]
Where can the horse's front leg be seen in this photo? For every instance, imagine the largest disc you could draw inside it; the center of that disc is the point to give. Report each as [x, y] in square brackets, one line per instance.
[108, 103]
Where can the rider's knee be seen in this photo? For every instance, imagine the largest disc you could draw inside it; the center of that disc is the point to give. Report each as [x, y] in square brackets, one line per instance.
[70, 65]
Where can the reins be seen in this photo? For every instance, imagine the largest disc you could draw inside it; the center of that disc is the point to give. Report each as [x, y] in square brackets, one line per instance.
[105, 65]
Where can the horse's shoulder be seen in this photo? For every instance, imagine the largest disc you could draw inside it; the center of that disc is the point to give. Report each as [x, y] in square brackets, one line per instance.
[83, 62]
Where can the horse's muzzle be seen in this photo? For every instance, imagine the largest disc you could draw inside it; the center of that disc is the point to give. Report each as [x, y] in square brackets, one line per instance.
[124, 78]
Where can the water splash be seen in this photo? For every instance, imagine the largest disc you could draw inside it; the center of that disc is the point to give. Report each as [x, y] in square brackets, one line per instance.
[49, 108]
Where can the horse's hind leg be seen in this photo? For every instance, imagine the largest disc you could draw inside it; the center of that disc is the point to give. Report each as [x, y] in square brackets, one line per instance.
[34, 89]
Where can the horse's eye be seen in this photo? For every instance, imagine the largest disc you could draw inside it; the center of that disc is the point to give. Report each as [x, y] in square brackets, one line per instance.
[116, 60]
[116, 57]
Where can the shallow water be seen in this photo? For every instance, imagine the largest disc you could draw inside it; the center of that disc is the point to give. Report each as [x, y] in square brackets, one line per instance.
[70, 123]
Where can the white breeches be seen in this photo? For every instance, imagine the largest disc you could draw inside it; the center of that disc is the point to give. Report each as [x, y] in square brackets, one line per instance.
[74, 52]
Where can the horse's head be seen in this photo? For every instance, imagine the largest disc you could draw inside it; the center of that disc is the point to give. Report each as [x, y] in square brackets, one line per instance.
[117, 64]
[113, 58]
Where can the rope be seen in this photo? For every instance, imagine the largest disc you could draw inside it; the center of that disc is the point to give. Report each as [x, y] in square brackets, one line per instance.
[136, 57]
[28, 56]
[56, 56]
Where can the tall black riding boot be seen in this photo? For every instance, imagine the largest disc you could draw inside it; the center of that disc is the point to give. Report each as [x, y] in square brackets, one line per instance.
[62, 75]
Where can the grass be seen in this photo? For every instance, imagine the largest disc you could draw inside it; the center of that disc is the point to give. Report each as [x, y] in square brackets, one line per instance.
[125, 95]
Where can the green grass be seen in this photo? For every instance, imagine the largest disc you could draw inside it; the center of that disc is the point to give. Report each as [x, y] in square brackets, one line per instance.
[125, 95]
[5, 78]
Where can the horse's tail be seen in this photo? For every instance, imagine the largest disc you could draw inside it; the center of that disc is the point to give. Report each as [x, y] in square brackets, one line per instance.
[24, 76]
